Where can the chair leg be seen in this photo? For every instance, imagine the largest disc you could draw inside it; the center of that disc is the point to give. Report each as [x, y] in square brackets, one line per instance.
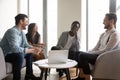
[77, 71]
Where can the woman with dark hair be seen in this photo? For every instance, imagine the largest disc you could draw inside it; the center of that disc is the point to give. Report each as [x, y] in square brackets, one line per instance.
[34, 39]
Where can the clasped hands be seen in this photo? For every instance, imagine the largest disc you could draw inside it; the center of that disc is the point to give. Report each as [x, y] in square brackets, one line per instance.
[37, 50]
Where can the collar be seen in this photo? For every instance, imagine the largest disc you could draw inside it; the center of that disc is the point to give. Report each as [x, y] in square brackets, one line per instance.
[16, 27]
[111, 30]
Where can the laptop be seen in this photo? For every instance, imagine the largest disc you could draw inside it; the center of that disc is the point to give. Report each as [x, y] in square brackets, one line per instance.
[57, 56]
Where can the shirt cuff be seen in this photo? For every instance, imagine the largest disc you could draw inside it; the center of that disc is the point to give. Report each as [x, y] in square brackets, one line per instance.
[25, 49]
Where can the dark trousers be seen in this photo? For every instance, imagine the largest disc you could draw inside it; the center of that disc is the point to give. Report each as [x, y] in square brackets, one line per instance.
[17, 60]
[84, 60]
[74, 55]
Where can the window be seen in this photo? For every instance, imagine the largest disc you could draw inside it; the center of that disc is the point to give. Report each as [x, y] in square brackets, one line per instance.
[36, 14]
[23, 6]
[51, 23]
[93, 13]
[118, 15]
[8, 10]
[36, 10]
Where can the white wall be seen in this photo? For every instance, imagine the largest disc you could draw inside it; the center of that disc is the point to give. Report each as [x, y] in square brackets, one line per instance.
[8, 10]
[68, 11]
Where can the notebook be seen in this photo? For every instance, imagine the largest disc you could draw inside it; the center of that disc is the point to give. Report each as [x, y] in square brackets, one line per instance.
[57, 56]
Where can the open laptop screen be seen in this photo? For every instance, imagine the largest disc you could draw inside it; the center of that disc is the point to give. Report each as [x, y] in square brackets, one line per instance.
[57, 56]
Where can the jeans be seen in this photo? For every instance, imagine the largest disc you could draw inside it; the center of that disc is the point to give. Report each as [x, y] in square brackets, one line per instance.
[17, 60]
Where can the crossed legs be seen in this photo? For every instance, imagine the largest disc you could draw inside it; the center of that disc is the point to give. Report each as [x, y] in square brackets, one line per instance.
[83, 64]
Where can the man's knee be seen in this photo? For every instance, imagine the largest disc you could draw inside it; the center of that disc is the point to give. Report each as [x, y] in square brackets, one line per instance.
[29, 57]
[55, 48]
[19, 57]
[73, 55]
[82, 56]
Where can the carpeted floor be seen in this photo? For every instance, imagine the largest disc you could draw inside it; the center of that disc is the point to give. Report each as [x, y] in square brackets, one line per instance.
[52, 76]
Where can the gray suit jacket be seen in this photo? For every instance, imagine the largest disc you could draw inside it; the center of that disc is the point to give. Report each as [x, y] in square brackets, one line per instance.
[63, 40]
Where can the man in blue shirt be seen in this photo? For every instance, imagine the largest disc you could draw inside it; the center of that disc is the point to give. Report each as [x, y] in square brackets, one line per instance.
[16, 48]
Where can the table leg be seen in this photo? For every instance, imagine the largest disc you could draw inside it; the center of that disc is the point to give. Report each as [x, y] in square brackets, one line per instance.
[67, 74]
[41, 75]
[46, 70]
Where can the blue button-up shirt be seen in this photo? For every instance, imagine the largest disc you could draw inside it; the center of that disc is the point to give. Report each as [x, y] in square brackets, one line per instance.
[14, 41]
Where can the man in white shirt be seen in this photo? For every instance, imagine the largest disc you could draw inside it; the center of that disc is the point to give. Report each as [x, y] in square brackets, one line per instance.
[109, 40]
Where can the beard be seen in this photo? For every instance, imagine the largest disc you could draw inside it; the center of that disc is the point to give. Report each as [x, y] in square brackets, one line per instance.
[106, 26]
[24, 28]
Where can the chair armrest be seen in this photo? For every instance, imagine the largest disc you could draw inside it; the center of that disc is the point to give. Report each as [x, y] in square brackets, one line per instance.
[2, 65]
[107, 65]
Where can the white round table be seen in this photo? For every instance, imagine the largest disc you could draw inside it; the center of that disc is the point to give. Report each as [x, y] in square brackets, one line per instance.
[45, 65]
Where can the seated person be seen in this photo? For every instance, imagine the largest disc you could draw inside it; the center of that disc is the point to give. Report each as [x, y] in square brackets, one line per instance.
[69, 41]
[16, 48]
[34, 39]
[108, 40]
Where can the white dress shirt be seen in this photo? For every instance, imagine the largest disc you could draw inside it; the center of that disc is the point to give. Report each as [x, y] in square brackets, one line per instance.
[109, 40]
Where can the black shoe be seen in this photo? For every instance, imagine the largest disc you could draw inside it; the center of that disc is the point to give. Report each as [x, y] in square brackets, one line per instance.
[78, 78]
[31, 77]
[60, 74]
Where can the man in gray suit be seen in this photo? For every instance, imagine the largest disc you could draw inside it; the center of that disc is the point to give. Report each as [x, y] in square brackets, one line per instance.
[69, 41]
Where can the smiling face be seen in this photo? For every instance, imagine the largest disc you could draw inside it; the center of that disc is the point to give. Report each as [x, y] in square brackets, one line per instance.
[35, 29]
[75, 27]
[24, 23]
[21, 20]
[106, 22]
[110, 20]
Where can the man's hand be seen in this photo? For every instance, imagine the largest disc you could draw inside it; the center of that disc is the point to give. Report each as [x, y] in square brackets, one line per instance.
[37, 50]
[34, 50]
